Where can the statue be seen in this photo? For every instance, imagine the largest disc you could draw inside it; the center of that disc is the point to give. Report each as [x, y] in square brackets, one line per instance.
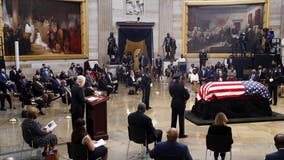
[170, 47]
[112, 49]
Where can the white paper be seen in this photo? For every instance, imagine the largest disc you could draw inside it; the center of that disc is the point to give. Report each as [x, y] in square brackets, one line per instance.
[100, 142]
[154, 122]
[91, 99]
[50, 125]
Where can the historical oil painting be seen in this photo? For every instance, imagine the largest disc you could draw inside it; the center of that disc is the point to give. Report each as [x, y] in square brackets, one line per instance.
[224, 28]
[42, 27]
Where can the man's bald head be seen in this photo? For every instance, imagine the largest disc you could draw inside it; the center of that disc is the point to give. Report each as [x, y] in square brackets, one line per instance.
[172, 134]
[279, 140]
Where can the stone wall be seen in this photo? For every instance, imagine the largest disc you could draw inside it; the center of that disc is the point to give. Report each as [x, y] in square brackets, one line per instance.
[167, 16]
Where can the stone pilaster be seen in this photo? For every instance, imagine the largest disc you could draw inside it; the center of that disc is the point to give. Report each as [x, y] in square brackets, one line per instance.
[177, 25]
[104, 27]
[165, 23]
[93, 28]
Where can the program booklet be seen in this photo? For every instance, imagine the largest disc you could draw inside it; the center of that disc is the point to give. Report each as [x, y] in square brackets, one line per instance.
[99, 143]
[50, 125]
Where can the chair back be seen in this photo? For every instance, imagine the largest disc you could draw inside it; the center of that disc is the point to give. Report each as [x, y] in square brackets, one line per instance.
[137, 135]
[218, 143]
[27, 136]
[77, 151]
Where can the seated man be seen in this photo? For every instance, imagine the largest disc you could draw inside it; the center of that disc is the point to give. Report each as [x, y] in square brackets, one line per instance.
[40, 92]
[113, 82]
[103, 84]
[132, 80]
[140, 120]
[171, 149]
[279, 144]
[5, 82]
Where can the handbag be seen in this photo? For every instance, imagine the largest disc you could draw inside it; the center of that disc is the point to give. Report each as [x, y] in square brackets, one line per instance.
[51, 154]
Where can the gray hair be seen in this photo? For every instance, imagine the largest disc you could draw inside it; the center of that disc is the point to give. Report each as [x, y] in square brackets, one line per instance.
[81, 80]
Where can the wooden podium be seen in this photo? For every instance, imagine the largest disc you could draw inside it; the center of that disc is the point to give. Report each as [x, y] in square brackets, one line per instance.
[96, 117]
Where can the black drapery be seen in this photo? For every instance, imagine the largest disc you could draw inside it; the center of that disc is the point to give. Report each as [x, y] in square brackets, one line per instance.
[136, 35]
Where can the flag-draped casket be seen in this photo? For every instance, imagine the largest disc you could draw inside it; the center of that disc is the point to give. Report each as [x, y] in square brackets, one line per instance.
[235, 98]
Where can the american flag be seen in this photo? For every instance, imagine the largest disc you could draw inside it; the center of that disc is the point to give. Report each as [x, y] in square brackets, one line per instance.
[231, 89]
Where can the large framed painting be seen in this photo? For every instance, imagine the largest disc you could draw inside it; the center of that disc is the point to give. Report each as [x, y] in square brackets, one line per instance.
[45, 29]
[218, 26]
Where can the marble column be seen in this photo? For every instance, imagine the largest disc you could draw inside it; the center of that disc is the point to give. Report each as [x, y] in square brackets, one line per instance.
[93, 28]
[282, 29]
[178, 25]
[105, 27]
[165, 23]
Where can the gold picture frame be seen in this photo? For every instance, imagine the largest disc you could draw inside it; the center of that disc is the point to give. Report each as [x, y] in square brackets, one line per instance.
[80, 14]
[195, 4]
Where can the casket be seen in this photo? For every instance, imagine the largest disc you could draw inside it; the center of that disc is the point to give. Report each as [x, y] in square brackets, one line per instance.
[237, 99]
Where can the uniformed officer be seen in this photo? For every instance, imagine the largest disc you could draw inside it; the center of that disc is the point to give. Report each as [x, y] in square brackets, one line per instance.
[179, 96]
[272, 81]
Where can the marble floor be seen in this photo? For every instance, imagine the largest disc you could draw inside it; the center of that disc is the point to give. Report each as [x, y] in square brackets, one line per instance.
[251, 140]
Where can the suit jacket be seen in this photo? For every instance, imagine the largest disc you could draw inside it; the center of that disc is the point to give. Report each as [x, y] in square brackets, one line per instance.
[170, 150]
[140, 120]
[38, 90]
[279, 155]
[14, 75]
[159, 62]
[202, 56]
[179, 94]
[145, 81]
[255, 78]
[77, 100]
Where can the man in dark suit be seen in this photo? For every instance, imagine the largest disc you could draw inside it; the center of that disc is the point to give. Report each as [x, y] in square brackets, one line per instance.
[273, 82]
[179, 96]
[14, 74]
[279, 144]
[143, 61]
[202, 58]
[6, 83]
[78, 99]
[159, 63]
[140, 120]
[171, 149]
[145, 85]
[40, 91]
[253, 76]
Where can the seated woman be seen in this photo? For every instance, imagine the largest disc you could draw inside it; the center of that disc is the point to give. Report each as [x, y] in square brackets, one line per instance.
[80, 136]
[34, 134]
[220, 128]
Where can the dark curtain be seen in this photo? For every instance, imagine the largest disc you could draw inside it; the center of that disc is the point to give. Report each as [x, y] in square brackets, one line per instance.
[135, 35]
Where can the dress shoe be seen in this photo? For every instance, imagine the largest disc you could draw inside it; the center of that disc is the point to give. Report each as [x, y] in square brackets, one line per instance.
[147, 108]
[41, 113]
[2, 109]
[182, 136]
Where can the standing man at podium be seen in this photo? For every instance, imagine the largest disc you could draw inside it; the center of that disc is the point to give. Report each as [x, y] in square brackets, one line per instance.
[78, 99]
